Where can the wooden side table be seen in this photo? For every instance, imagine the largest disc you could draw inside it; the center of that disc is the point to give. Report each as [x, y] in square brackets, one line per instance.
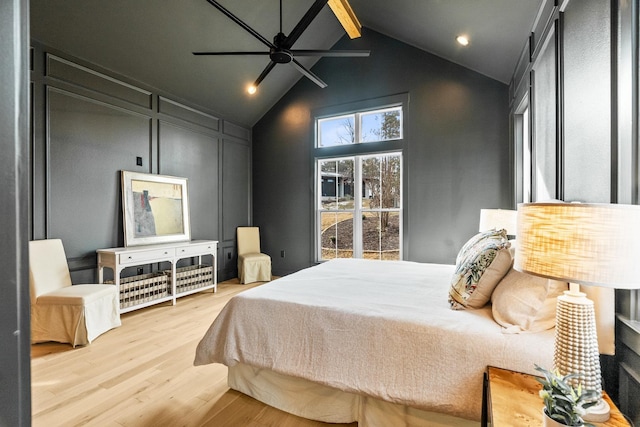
[511, 399]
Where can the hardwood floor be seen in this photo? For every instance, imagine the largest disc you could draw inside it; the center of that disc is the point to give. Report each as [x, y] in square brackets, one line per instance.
[142, 374]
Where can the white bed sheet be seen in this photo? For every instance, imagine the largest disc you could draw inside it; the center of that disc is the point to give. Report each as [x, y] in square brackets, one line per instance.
[376, 328]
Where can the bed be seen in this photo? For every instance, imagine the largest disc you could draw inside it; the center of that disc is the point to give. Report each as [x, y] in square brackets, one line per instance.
[370, 341]
[392, 343]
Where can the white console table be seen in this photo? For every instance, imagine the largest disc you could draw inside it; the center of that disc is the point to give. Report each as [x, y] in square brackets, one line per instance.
[117, 259]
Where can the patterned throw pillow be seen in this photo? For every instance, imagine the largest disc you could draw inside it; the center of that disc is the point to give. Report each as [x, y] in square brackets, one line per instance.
[464, 251]
[479, 270]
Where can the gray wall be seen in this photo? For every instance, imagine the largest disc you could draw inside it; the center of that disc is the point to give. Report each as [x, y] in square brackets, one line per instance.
[15, 376]
[456, 154]
[593, 85]
[90, 124]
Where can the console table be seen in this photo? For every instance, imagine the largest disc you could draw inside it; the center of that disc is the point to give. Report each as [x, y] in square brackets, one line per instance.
[148, 289]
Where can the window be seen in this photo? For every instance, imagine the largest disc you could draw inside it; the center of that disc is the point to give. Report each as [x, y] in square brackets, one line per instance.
[358, 179]
[368, 126]
[523, 154]
[359, 207]
[526, 157]
[336, 131]
[336, 207]
[381, 125]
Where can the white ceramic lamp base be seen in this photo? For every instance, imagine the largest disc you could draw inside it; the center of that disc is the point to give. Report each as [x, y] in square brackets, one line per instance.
[576, 347]
[598, 413]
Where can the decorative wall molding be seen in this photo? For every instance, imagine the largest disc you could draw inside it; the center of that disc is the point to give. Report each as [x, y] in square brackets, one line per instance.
[79, 75]
[176, 110]
[103, 109]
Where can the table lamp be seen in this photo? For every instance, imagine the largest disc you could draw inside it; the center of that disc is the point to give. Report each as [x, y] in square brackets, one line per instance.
[589, 244]
[498, 219]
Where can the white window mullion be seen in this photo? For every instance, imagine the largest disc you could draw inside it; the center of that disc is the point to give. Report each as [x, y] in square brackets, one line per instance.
[380, 201]
[400, 206]
[357, 212]
[318, 213]
[357, 128]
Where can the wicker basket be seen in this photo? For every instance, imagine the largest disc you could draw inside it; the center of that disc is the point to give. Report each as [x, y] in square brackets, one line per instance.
[135, 290]
[192, 277]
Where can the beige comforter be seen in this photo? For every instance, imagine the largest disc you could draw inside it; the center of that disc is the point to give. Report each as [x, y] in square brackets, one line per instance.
[379, 328]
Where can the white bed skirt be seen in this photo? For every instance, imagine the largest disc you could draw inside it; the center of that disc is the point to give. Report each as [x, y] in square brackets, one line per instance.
[321, 403]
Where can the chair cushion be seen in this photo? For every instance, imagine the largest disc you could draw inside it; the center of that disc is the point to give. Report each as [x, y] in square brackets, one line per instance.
[76, 295]
[255, 257]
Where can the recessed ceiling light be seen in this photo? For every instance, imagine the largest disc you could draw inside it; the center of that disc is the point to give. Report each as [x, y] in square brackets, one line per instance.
[252, 89]
[463, 40]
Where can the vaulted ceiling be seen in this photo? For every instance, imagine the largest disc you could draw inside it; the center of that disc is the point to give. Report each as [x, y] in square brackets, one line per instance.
[152, 41]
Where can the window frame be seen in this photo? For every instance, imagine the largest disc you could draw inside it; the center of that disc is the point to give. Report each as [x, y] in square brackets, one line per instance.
[358, 209]
[359, 149]
[318, 137]
[358, 117]
[523, 151]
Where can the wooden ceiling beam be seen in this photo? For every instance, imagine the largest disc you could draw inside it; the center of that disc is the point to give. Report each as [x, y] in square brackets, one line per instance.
[343, 11]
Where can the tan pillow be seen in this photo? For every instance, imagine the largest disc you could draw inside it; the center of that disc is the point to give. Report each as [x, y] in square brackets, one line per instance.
[522, 302]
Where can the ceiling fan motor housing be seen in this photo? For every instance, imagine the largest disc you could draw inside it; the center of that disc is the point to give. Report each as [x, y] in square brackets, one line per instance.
[278, 53]
[280, 56]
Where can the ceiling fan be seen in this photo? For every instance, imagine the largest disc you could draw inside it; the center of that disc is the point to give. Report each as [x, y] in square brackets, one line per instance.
[280, 50]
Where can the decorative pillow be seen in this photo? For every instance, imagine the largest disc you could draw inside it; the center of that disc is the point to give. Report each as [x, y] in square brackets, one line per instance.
[480, 269]
[490, 234]
[525, 303]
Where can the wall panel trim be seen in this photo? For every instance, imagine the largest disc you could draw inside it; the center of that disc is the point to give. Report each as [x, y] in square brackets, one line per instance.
[55, 74]
[188, 114]
[76, 74]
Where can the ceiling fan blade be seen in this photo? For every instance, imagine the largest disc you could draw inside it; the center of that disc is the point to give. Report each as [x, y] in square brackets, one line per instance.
[264, 73]
[309, 74]
[303, 24]
[241, 23]
[338, 53]
[231, 53]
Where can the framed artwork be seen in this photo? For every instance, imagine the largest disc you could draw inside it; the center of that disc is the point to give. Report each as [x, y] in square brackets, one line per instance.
[155, 209]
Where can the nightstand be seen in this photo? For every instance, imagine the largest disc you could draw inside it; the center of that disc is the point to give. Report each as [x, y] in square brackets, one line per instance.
[511, 399]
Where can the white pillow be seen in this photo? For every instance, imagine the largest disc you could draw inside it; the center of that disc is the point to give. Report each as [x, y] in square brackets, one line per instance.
[522, 302]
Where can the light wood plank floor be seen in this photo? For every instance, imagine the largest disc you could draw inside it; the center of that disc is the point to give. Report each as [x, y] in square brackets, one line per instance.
[142, 374]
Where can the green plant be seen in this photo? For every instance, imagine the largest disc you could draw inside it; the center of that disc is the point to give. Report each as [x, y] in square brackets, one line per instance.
[562, 401]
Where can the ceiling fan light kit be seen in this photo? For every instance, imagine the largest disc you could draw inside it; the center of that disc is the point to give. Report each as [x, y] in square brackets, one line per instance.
[280, 50]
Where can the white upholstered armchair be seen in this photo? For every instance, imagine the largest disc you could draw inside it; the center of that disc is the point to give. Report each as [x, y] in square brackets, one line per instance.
[253, 266]
[63, 312]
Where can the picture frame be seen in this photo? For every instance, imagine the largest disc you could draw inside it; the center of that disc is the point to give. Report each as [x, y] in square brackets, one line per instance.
[155, 209]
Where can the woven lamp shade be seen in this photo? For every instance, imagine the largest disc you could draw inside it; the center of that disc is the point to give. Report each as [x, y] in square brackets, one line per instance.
[498, 219]
[588, 244]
